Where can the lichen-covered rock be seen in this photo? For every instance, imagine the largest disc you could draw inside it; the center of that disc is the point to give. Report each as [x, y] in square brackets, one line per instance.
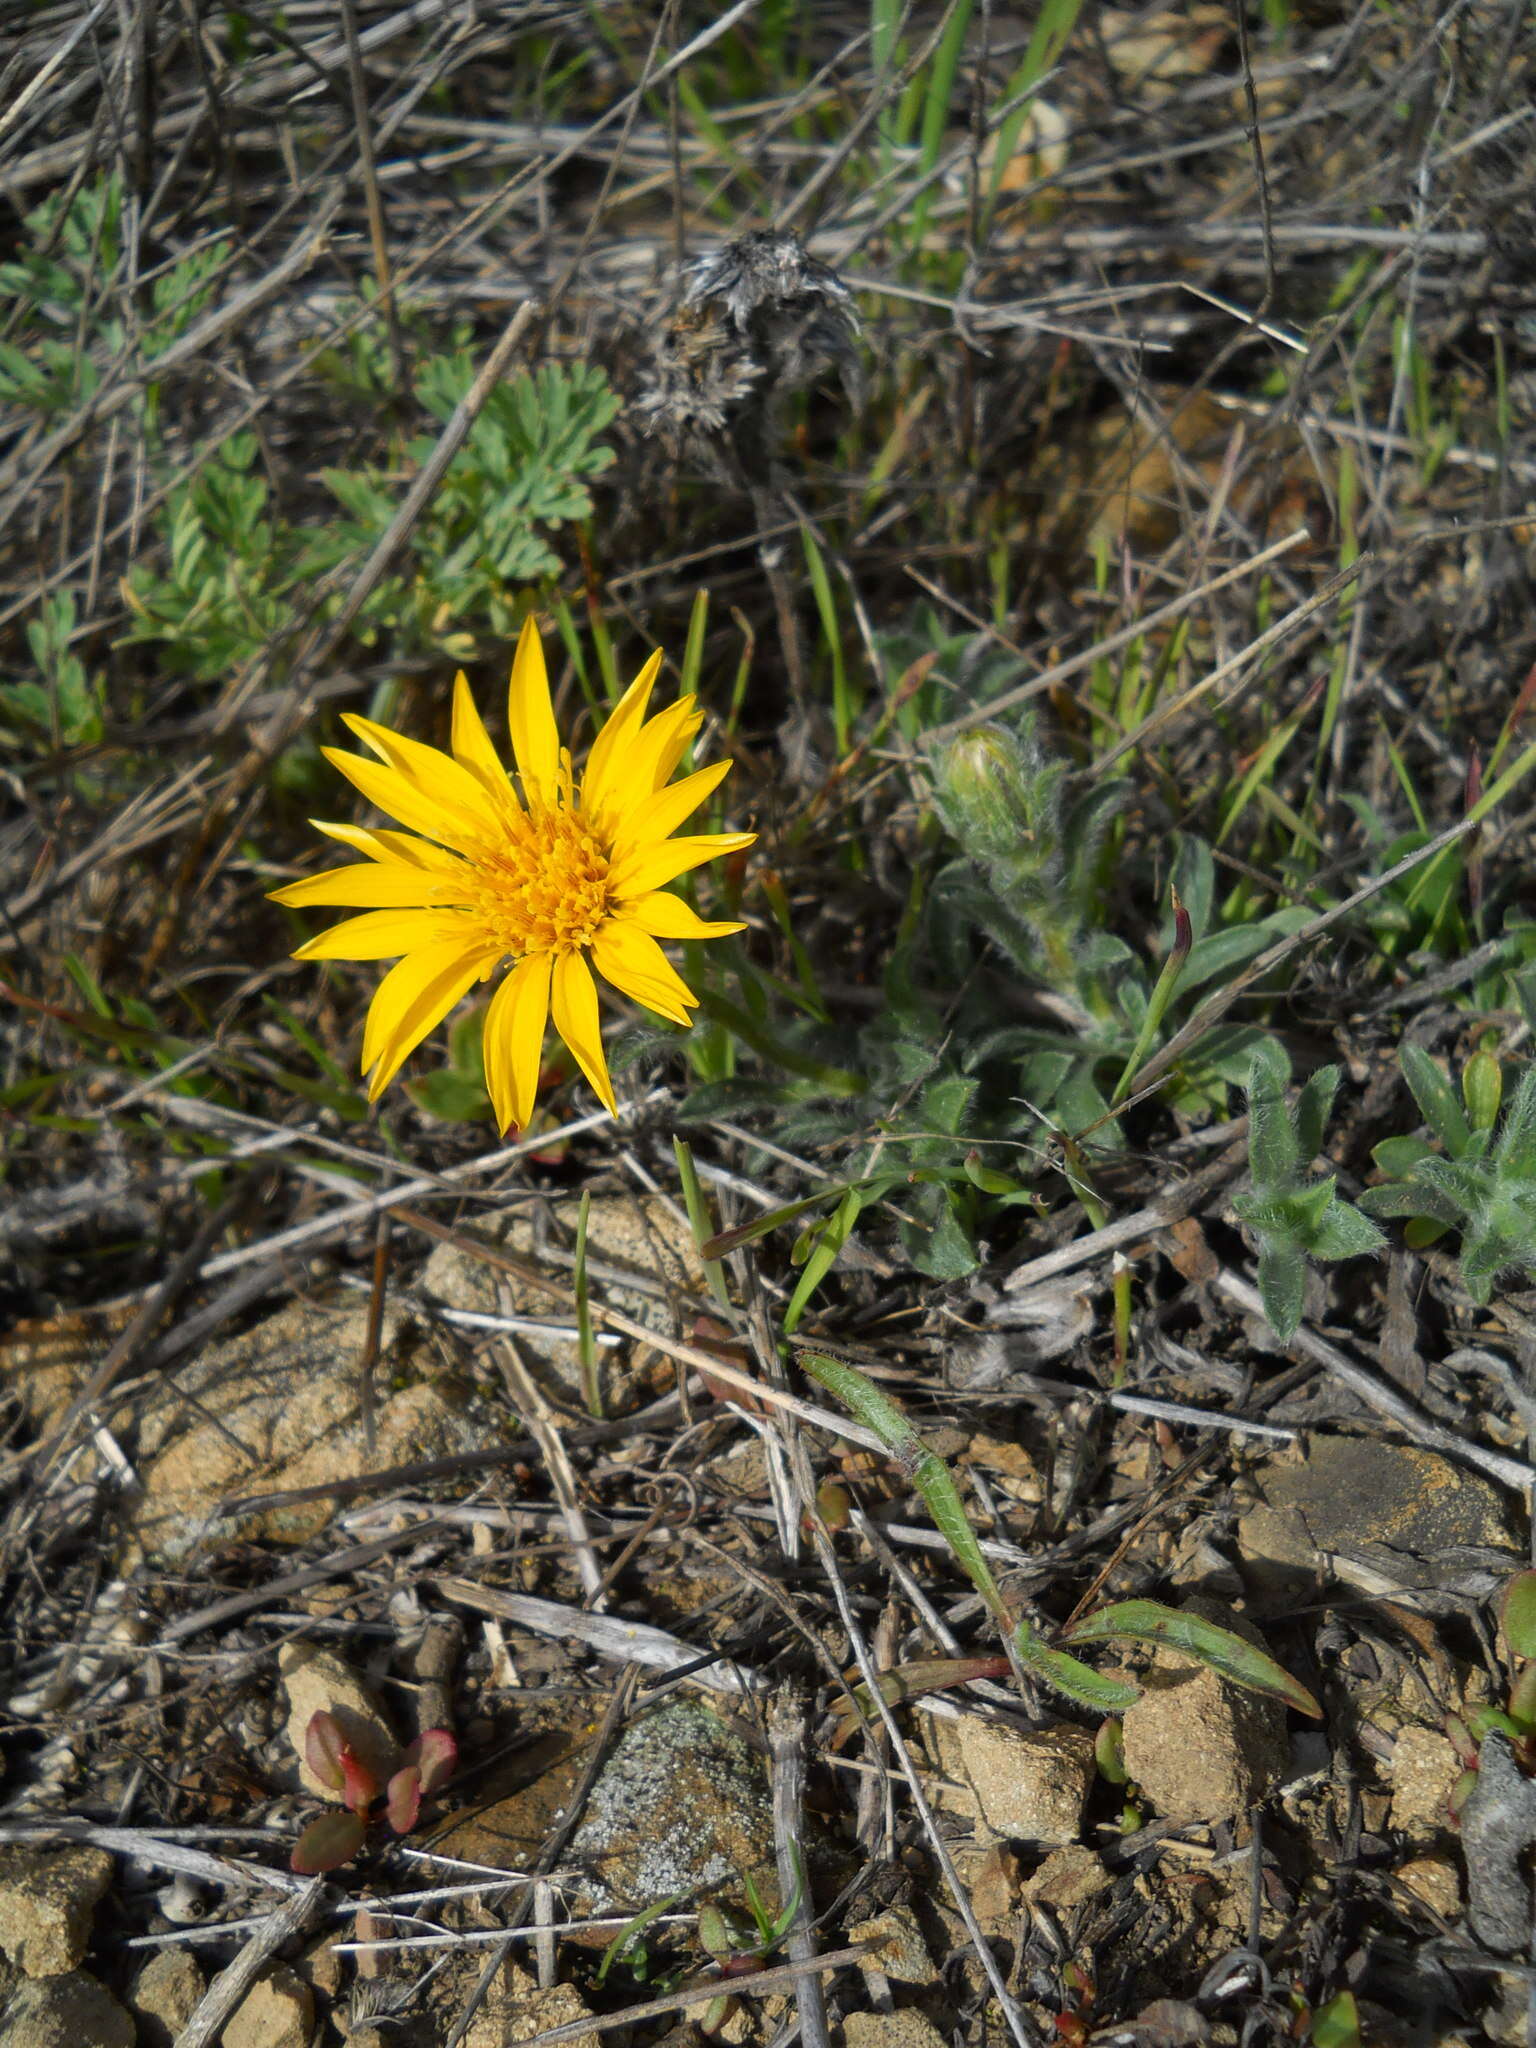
[680, 1807]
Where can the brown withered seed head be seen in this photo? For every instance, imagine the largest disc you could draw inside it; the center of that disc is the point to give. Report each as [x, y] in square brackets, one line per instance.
[757, 319]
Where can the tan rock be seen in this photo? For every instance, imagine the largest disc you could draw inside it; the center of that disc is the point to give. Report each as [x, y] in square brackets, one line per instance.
[1028, 1784]
[639, 1236]
[165, 1995]
[70, 2010]
[907, 2029]
[750, 2022]
[48, 1901]
[1068, 1877]
[901, 1954]
[316, 1681]
[277, 2012]
[1425, 1767]
[991, 1876]
[510, 2018]
[1435, 1880]
[1200, 1748]
[278, 1407]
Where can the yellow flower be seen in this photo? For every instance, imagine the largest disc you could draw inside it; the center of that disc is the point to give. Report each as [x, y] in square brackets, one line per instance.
[559, 880]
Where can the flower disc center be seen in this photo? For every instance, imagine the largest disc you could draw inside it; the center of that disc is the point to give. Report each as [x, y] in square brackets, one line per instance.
[545, 888]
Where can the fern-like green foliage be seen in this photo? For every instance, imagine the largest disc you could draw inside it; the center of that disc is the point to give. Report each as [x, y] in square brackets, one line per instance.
[55, 303]
[1480, 1183]
[62, 707]
[235, 565]
[1294, 1214]
[521, 475]
[231, 569]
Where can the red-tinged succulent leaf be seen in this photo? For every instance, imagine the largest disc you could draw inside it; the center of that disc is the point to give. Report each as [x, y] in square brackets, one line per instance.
[360, 1787]
[323, 1747]
[402, 1802]
[435, 1754]
[327, 1843]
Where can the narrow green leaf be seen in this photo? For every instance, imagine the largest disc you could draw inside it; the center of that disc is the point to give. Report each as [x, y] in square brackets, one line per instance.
[1436, 1098]
[1311, 1113]
[927, 1471]
[1148, 1621]
[1282, 1288]
[1482, 1086]
[833, 1235]
[1078, 1681]
[726, 1241]
[1272, 1149]
[1109, 1753]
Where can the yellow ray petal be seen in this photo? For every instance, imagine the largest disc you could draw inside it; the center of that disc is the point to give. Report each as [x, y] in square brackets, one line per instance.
[472, 746]
[606, 775]
[413, 999]
[403, 847]
[659, 748]
[633, 962]
[573, 1004]
[669, 917]
[402, 799]
[514, 1039]
[652, 867]
[531, 718]
[381, 934]
[369, 885]
[428, 769]
[659, 816]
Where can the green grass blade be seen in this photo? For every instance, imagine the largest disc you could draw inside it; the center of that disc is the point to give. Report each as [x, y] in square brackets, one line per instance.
[927, 1471]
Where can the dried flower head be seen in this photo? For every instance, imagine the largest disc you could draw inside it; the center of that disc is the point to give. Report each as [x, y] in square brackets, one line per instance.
[557, 878]
[757, 319]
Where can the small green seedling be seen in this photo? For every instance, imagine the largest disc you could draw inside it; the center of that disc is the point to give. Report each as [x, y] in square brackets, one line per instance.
[1109, 1755]
[739, 1946]
[1295, 1215]
[1482, 1182]
[335, 1838]
[1517, 1717]
[1336, 2023]
[1140, 1621]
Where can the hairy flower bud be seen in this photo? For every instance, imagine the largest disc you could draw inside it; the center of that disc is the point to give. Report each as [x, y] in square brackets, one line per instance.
[997, 795]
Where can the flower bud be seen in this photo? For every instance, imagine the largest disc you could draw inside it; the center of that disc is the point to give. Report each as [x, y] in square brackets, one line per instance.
[984, 790]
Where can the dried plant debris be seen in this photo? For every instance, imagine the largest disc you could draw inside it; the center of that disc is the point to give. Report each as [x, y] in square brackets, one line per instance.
[757, 320]
[1057, 1300]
